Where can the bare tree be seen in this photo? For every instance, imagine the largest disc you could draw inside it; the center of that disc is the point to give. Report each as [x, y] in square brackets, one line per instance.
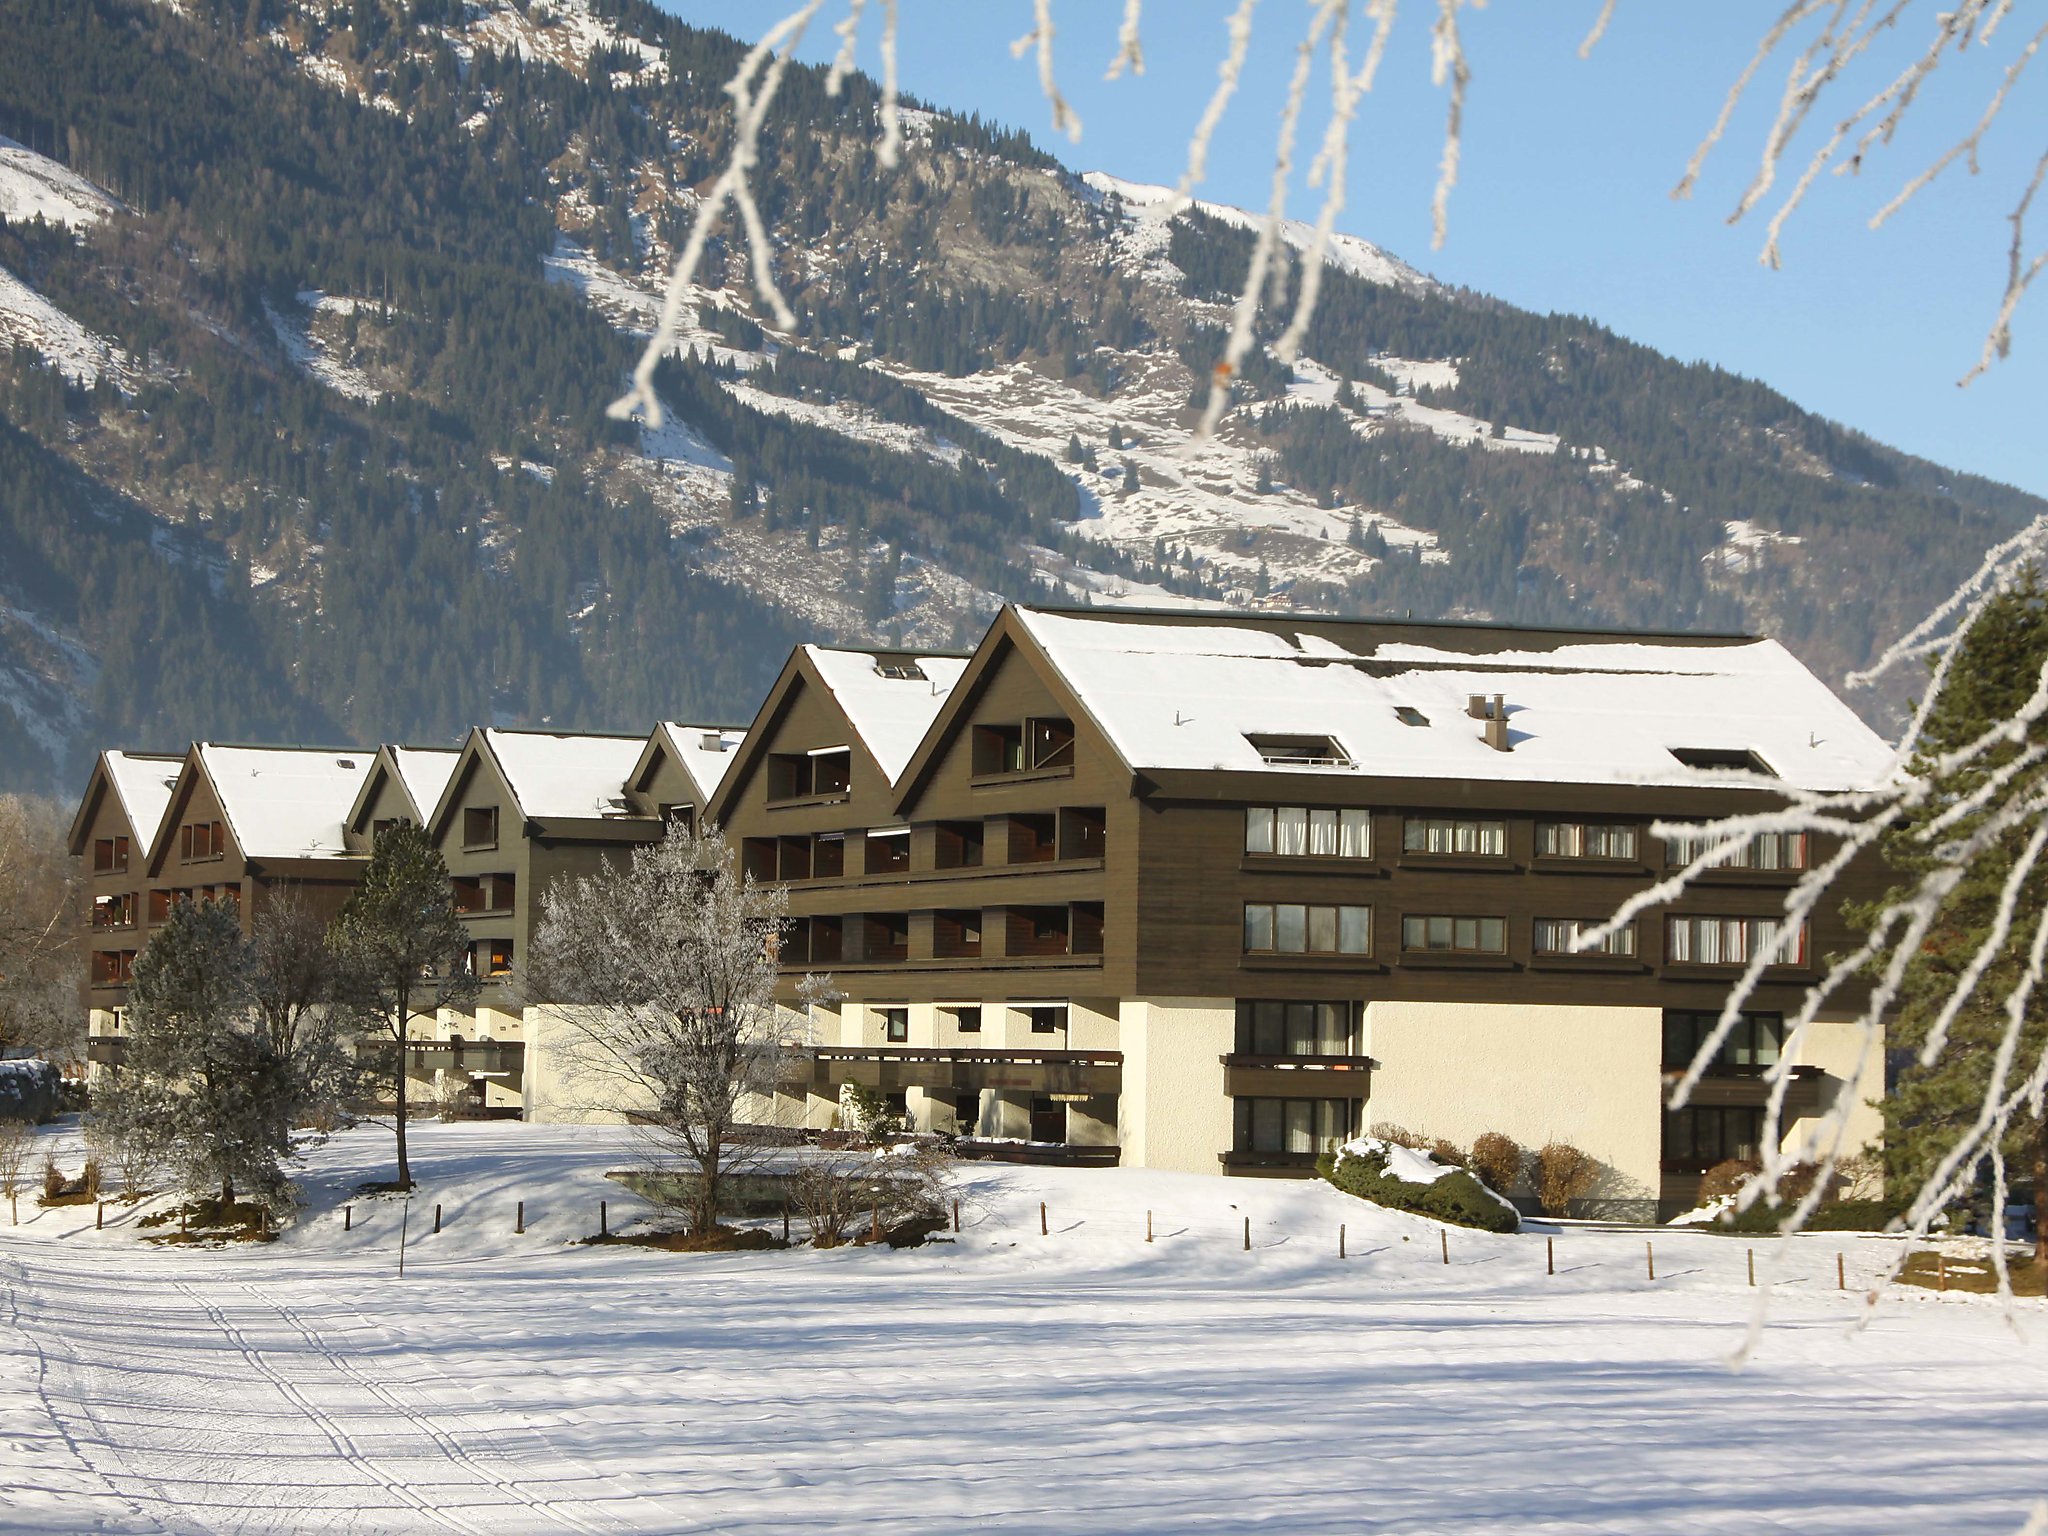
[38, 930]
[663, 969]
[17, 1137]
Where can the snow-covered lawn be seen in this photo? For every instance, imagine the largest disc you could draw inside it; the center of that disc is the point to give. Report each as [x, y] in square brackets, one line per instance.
[1079, 1381]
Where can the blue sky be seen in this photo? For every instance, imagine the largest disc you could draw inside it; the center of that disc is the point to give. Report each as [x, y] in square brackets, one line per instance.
[1563, 202]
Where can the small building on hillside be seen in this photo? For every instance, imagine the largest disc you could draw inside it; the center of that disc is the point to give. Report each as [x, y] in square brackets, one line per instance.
[111, 837]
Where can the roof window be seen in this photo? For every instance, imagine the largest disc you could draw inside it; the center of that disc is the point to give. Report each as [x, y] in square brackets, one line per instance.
[901, 671]
[1739, 758]
[1300, 751]
[1408, 714]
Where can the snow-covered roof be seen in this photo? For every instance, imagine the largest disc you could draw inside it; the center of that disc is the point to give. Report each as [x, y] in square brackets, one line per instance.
[891, 698]
[144, 782]
[424, 772]
[562, 776]
[694, 747]
[1582, 708]
[286, 802]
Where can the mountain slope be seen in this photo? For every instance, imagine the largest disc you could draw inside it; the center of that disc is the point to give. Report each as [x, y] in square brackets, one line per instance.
[314, 311]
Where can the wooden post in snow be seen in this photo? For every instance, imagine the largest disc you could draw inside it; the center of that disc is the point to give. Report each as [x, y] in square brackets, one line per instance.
[1148, 1226]
[1550, 1255]
[519, 1219]
[604, 1220]
[1340, 1239]
[1247, 1234]
[1043, 1229]
[437, 1216]
[1650, 1258]
[348, 1217]
[1443, 1236]
[1841, 1277]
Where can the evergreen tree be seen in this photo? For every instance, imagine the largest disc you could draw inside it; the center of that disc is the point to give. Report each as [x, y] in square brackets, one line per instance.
[1130, 476]
[1265, 482]
[202, 1079]
[1075, 453]
[1355, 534]
[1928, 1109]
[406, 952]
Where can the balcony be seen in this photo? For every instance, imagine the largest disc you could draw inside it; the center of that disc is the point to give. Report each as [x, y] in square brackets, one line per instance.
[108, 1050]
[1296, 1077]
[1739, 1088]
[893, 1069]
[1268, 1164]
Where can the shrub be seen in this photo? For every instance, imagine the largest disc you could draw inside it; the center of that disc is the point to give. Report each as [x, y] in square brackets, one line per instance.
[1727, 1177]
[1446, 1152]
[1498, 1160]
[1563, 1174]
[53, 1178]
[1833, 1214]
[29, 1090]
[1456, 1197]
[89, 1181]
[1399, 1136]
[840, 1193]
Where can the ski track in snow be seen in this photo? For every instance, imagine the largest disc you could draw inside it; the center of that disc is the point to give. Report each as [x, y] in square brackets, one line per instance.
[1084, 1381]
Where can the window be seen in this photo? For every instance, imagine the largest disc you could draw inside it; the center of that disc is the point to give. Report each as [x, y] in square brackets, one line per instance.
[382, 825]
[828, 855]
[1302, 1126]
[885, 936]
[1756, 1041]
[818, 774]
[895, 1024]
[1288, 928]
[1407, 714]
[480, 826]
[957, 845]
[888, 852]
[1084, 924]
[113, 967]
[1034, 746]
[1437, 834]
[110, 855]
[159, 906]
[1455, 935]
[1296, 831]
[1297, 1029]
[1555, 936]
[1723, 759]
[967, 1020]
[497, 957]
[1766, 850]
[900, 670]
[1729, 940]
[468, 894]
[1300, 751]
[681, 817]
[1082, 832]
[114, 911]
[1039, 931]
[956, 935]
[1585, 840]
[1696, 1139]
[1047, 1018]
[202, 840]
[1034, 839]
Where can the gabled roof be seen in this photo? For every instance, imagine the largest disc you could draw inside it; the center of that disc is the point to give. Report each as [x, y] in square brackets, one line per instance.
[1188, 691]
[560, 776]
[421, 774]
[890, 712]
[888, 698]
[705, 753]
[278, 802]
[141, 782]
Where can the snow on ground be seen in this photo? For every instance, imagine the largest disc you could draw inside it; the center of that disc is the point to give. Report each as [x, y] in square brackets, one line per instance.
[1347, 253]
[29, 319]
[848, 421]
[311, 354]
[1745, 544]
[633, 306]
[1314, 384]
[34, 186]
[1080, 1381]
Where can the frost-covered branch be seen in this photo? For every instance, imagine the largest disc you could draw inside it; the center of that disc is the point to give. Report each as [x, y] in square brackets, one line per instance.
[1847, 31]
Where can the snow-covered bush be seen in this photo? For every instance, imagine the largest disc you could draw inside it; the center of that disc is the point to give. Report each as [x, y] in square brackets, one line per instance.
[29, 1091]
[1727, 1178]
[1409, 1179]
[905, 1186]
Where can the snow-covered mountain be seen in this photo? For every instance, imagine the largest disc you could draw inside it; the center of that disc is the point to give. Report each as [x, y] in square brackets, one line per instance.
[314, 309]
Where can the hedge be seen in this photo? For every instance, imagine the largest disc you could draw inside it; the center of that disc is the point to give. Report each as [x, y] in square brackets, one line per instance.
[1457, 1197]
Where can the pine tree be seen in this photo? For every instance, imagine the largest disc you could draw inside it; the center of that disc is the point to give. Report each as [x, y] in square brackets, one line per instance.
[1075, 453]
[1130, 476]
[202, 1080]
[1929, 1108]
[406, 952]
[1355, 535]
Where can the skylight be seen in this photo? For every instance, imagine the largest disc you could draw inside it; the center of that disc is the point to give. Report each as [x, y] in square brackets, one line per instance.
[1408, 714]
[900, 671]
[1739, 758]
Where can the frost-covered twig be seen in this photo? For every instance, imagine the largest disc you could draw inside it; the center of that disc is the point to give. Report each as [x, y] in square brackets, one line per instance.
[1846, 33]
[1130, 46]
[1447, 62]
[1064, 118]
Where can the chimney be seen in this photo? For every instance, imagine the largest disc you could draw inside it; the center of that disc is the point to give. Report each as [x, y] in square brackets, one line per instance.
[1475, 705]
[1496, 734]
[713, 742]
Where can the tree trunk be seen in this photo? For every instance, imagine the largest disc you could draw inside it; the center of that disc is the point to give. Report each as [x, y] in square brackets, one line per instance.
[707, 1189]
[2040, 1197]
[398, 1118]
[227, 1197]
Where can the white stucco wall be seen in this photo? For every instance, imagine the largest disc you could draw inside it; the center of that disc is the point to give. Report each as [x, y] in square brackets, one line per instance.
[1173, 1112]
[1587, 1075]
[1837, 1047]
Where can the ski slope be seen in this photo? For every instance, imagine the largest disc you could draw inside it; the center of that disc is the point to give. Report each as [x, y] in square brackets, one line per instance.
[1080, 1381]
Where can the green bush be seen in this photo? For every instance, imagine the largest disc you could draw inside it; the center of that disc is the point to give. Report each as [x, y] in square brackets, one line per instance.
[1457, 1197]
[1836, 1216]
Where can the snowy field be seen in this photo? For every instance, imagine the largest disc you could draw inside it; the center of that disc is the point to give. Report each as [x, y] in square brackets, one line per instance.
[1078, 1381]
